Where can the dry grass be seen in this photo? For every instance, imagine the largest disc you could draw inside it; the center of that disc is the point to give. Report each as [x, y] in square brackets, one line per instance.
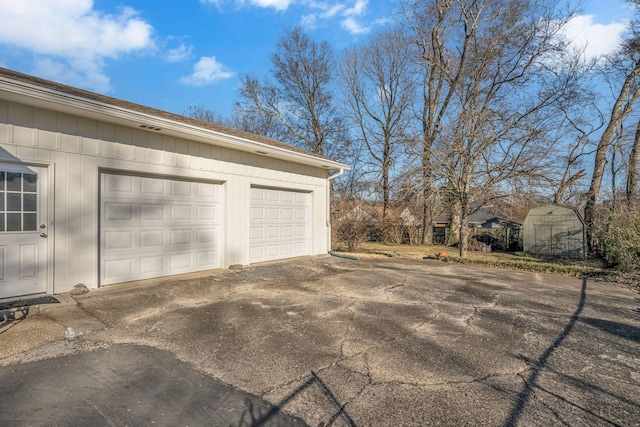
[572, 267]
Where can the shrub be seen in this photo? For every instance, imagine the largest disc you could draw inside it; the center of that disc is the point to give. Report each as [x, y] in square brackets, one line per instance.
[620, 240]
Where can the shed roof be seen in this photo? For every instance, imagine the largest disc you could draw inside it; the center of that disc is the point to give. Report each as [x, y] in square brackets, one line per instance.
[554, 209]
[31, 90]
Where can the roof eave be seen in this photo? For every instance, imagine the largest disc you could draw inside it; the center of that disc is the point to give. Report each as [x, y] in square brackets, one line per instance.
[43, 97]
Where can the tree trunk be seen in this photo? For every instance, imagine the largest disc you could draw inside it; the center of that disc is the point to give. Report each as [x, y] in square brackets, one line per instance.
[632, 172]
[386, 162]
[463, 245]
[427, 230]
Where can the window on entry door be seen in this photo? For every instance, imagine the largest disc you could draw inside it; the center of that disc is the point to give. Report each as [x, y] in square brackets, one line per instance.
[18, 202]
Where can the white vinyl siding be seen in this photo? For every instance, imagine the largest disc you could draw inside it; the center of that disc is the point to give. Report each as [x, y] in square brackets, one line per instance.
[154, 227]
[279, 224]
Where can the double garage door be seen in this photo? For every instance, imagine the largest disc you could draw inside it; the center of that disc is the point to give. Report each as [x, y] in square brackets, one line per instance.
[153, 227]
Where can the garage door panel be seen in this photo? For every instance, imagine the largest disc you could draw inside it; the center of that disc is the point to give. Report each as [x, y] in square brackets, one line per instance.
[152, 239]
[273, 214]
[286, 232]
[181, 262]
[181, 188]
[273, 195]
[207, 236]
[152, 265]
[279, 224]
[180, 212]
[118, 184]
[118, 212]
[153, 227]
[180, 237]
[152, 186]
[257, 252]
[207, 258]
[272, 232]
[287, 197]
[114, 240]
[207, 213]
[210, 192]
[257, 214]
[117, 268]
[257, 194]
[286, 249]
[256, 233]
[272, 250]
[152, 212]
[287, 214]
[301, 231]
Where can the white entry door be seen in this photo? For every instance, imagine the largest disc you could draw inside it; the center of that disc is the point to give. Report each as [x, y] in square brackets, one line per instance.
[23, 230]
[279, 224]
[153, 227]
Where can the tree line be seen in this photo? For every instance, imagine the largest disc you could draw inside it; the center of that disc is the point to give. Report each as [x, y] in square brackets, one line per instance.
[460, 105]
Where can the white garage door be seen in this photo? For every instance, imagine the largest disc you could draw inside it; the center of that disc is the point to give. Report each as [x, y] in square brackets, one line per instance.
[154, 227]
[279, 224]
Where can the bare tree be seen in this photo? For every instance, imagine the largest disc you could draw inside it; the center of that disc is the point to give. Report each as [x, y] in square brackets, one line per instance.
[627, 62]
[204, 114]
[377, 86]
[430, 24]
[243, 118]
[493, 91]
[580, 119]
[299, 94]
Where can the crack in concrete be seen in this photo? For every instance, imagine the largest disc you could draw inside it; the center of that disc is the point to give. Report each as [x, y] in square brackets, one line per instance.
[453, 382]
[358, 393]
[396, 285]
[348, 330]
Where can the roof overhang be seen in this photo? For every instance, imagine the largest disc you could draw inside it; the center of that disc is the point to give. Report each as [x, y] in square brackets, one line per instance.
[46, 98]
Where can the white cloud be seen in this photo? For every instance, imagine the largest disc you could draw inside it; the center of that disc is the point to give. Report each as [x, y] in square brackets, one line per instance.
[309, 21]
[206, 71]
[597, 39]
[279, 5]
[179, 53]
[351, 25]
[71, 39]
[347, 15]
[357, 9]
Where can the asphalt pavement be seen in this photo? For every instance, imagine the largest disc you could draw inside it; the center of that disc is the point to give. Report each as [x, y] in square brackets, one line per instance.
[329, 341]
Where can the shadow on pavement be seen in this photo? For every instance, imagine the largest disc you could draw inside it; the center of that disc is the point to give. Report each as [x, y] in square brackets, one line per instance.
[615, 328]
[8, 310]
[314, 379]
[530, 382]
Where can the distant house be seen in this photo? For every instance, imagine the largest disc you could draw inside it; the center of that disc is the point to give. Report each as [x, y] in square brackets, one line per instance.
[488, 226]
[554, 231]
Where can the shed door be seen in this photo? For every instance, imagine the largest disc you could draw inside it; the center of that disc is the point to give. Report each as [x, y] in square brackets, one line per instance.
[543, 239]
[279, 224]
[154, 227]
[23, 230]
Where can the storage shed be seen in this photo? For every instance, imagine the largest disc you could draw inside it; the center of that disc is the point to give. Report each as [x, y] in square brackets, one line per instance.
[98, 190]
[554, 231]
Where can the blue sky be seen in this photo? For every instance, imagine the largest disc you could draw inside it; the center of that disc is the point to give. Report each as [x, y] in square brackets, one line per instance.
[174, 54]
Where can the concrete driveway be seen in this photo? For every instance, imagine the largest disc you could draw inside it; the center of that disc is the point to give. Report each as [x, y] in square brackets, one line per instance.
[391, 342]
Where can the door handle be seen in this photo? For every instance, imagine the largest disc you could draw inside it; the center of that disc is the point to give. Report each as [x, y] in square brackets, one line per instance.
[43, 235]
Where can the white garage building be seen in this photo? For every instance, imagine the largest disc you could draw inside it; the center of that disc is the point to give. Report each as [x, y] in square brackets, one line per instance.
[97, 190]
